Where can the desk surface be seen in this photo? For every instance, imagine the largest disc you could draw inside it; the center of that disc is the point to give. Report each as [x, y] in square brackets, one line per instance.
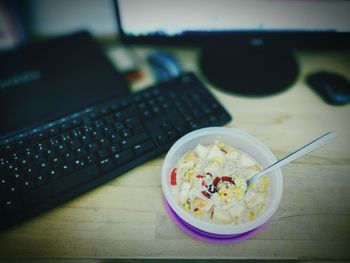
[126, 218]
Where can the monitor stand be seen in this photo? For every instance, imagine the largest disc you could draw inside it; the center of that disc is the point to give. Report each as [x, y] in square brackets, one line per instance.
[251, 71]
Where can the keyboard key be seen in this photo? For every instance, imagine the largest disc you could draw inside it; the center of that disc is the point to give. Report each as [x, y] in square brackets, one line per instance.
[91, 158]
[28, 185]
[11, 204]
[44, 167]
[104, 142]
[102, 154]
[115, 149]
[68, 168]
[161, 138]
[122, 115]
[135, 125]
[125, 133]
[92, 147]
[114, 138]
[76, 122]
[65, 127]
[54, 174]
[74, 144]
[128, 142]
[61, 148]
[123, 157]
[144, 147]
[171, 134]
[80, 152]
[30, 172]
[21, 143]
[106, 165]
[41, 179]
[80, 163]
[53, 131]
[42, 135]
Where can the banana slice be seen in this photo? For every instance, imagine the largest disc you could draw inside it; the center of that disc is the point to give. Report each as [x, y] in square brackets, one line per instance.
[216, 155]
[202, 151]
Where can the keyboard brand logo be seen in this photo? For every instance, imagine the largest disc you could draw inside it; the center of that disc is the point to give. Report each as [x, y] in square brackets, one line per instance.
[19, 79]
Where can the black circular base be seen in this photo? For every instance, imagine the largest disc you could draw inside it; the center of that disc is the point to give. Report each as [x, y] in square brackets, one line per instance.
[253, 71]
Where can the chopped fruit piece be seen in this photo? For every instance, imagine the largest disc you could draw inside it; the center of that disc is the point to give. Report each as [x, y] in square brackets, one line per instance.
[251, 215]
[188, 175]
[173, 177]
[197, 213]
[227, 179]
[206, 194]
[199, 202]
[190, 156]
[216, 180]
[202, 151]
[186, 206]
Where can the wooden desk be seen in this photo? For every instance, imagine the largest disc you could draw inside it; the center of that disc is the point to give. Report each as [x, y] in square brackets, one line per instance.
[126, 218]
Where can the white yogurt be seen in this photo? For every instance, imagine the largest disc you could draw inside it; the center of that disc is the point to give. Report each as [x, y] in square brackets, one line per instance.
[210, 183]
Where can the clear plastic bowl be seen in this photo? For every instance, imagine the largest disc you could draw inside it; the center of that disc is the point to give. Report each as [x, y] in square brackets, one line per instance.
[241, 141]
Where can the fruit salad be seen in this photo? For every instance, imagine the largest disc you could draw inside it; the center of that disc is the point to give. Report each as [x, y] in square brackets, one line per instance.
[210, 182]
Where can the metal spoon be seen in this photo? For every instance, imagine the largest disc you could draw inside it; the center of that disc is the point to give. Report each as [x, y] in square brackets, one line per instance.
[310, 147]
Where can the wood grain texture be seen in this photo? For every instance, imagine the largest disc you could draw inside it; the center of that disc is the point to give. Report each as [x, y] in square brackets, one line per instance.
[126, 218]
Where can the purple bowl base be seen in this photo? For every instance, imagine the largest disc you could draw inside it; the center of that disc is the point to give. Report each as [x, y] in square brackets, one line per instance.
[206, 236]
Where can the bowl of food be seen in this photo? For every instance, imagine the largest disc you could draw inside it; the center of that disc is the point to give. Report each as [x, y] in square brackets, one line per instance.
[204, 182]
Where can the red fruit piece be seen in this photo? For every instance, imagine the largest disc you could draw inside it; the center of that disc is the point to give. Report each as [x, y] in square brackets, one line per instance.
[227, 179]
[206, 194]
[173, 177]
[216, 180]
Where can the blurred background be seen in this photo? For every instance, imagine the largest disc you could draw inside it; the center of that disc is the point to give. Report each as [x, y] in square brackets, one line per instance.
[21, 21]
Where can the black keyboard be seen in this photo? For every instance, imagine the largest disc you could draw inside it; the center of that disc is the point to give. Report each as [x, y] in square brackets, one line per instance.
[53, 163]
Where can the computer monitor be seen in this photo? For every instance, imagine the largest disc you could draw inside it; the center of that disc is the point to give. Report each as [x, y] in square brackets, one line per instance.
[247, 44]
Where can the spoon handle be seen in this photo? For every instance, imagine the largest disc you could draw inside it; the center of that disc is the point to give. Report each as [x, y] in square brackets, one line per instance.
[310, 147]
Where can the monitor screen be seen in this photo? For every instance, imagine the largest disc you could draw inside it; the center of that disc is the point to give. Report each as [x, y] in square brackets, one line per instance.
[192, 21]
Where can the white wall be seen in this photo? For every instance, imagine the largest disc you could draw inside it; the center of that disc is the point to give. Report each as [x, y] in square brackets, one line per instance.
[51, 17]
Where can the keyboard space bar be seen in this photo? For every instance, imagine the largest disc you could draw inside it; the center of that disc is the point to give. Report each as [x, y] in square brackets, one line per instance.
[61, 185]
